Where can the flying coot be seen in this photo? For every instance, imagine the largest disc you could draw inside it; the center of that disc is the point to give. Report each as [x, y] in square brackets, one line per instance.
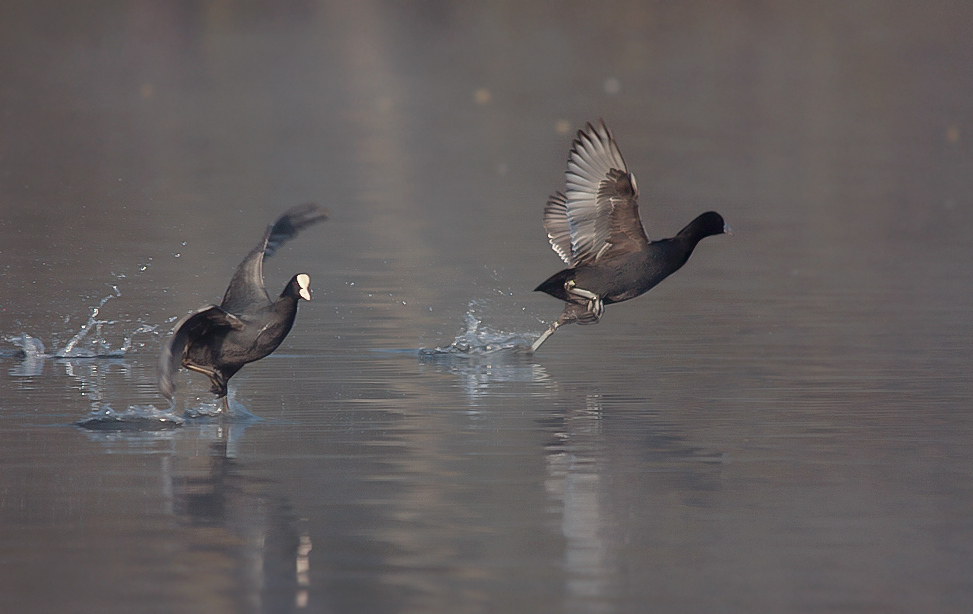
[218, 340]
[595, 228]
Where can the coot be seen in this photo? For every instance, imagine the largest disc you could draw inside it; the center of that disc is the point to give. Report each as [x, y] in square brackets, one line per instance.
[218, 340]
[595, 228]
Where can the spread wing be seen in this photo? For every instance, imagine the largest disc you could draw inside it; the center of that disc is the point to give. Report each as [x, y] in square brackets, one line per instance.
[247, 286]
[592, 195]
[557, 226]
[620, 193]
[187, 330]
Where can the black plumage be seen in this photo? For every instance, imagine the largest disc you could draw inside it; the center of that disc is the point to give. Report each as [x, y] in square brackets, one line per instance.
[596, 229]
[247, 325]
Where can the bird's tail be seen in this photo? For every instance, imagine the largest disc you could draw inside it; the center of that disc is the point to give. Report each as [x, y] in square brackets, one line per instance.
[554, 285]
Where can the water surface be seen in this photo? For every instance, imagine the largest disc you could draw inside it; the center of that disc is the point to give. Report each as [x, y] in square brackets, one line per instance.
[783, 425]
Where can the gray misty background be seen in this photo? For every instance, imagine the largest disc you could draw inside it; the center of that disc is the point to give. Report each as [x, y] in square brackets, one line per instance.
[782, 426]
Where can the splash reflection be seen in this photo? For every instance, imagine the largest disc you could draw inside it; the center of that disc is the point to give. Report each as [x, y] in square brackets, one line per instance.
[479, 378]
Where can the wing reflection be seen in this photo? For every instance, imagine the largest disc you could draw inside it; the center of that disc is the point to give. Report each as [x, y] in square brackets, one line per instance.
[595, 458]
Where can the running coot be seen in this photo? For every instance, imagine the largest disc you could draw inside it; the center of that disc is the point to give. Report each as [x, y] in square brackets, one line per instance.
[595, 228]
[218, 340]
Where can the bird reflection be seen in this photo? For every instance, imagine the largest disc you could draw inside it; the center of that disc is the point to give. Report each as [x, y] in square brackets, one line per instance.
[303, 566]
[258, 531]
[598, 449]
[242, 533]
[573, 464]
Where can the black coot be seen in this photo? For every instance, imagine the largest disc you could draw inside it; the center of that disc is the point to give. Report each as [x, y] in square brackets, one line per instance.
[218, 340]
[595, 228]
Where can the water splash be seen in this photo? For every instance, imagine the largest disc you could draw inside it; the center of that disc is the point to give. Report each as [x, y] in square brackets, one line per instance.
[29, 346]
[484, 358]
[151, 418]
[90, 341]
[135, 418]
[31, 352]
[479, 340]
[99, 347]
[211, 408]
[81, 358]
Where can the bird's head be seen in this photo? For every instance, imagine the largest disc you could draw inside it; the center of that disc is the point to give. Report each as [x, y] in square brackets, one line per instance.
[299, 286]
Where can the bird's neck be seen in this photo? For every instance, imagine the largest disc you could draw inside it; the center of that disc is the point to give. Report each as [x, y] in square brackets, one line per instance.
[689, 237]
[286, 305]
[683, 244]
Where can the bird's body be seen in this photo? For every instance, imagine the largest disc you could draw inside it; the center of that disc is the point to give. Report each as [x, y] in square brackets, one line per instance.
[596, 229]
[629, 275]
[247, 325]
[221, 343]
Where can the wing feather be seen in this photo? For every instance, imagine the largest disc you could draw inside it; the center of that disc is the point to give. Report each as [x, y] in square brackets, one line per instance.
[619, 193]
[593, 156]
[187, 330]
[557, 226]
[247, 285]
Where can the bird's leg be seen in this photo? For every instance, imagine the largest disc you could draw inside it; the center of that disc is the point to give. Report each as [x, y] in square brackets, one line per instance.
[226, 405]
[595, 305]
[207, 372]
[573, 312]
[547, 333]
[217, 385]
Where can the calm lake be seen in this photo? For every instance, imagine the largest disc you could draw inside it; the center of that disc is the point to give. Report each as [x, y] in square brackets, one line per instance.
[784, 425]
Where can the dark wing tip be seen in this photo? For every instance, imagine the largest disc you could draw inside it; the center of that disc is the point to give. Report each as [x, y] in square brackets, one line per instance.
[556, 201]
[292, 222]
[166, 386]
[603, 128]
[305, 214]
[599, 131]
